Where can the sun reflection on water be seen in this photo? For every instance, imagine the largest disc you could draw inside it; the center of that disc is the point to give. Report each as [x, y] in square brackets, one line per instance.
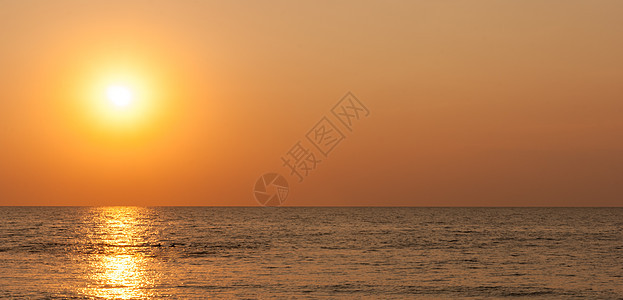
[120, 266]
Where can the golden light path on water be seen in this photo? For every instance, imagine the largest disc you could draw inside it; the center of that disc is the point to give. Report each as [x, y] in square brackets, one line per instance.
[120, 265]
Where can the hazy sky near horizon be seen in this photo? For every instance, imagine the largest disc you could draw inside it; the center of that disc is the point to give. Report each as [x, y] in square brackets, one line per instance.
[472, 103]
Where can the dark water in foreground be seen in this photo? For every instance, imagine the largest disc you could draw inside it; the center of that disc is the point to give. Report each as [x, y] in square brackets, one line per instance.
[196, 252]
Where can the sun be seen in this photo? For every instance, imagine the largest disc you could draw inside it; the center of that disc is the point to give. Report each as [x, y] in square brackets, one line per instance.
[122, 100]
[120, 96]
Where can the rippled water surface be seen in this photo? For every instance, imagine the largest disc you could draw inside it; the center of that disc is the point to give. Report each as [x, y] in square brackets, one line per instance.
[199, 252]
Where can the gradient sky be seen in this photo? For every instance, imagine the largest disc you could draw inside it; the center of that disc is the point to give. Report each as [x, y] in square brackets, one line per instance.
[472, 103]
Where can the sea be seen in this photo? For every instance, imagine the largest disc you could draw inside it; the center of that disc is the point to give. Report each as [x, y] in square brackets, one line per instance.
[310, 253]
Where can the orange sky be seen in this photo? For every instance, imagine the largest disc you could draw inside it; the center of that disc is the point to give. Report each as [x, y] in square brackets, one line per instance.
[472, 103]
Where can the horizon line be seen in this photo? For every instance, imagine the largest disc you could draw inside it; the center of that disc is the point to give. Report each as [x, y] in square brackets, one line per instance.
[315, 206]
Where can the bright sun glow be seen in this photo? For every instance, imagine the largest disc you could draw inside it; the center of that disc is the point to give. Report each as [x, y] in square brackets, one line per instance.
[122, 100]
[120, 96]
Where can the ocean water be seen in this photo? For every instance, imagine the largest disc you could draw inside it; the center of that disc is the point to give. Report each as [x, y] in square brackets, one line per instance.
[388, 253]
